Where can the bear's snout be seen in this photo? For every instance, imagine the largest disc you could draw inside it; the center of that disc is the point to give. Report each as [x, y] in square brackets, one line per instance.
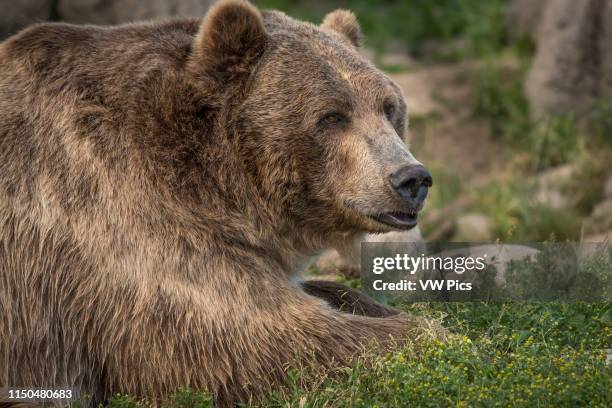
[412, 183]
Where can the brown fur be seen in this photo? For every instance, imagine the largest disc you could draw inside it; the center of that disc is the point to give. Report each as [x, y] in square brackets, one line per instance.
[161, 186]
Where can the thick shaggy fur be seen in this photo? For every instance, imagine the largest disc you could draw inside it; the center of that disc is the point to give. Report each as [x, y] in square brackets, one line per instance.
[161, 185]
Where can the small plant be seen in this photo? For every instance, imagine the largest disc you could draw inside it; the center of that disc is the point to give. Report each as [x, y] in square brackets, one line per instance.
[517, 218]
[124, 401]
[555, 140]
[586, 187]
[183, 398]
[501, 101]
[186, 398]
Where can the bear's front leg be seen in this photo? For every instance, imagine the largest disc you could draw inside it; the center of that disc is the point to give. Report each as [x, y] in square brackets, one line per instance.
[346, 299]
[237, 344]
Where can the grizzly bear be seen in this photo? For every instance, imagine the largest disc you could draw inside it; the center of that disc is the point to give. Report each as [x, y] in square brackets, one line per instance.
[162, 186]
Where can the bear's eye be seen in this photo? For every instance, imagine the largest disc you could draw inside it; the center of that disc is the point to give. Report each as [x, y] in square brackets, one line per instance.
[333, 119]
[389, 110]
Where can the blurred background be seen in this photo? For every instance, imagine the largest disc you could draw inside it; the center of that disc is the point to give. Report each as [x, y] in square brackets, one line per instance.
[510, 102]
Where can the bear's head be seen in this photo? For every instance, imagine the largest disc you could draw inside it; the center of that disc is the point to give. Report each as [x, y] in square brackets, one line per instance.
[319, 129]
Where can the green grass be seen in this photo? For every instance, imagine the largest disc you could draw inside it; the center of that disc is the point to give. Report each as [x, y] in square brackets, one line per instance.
[513, 354]
[516, 218]
[500, 100]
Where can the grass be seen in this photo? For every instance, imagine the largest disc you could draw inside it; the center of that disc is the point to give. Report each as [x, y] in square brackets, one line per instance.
[513, 354]
[516, 218]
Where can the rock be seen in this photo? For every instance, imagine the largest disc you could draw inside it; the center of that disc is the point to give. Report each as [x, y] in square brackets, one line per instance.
[525, 16]
[594, 245]
[605, 237]
[550, 185]
[473, 228]
[608, 187]
[21, 13]
[497, 255]
[550, 198]
[604, 45]
[573, 64]
[413, 235]
[121, 11]
[346, 258]
[600, 220]
[556, 177]
[330, 262]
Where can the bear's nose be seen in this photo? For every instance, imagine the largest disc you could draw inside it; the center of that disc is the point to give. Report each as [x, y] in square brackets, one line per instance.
[411, 182]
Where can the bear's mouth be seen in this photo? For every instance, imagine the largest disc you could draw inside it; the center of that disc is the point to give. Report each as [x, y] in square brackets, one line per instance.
[397, 219]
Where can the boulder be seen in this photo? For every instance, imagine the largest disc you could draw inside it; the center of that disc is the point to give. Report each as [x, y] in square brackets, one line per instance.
[550, 187]
[605, 237]
[497, 255]
[600, 220]
[473, 228]
[525, 16]
[573, 63]
[21, 13]
[346, 258]
[608, 187]
[121, 11]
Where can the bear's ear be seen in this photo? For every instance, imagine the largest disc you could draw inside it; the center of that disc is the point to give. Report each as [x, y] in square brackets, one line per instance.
[231, 37]
[345, 23]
